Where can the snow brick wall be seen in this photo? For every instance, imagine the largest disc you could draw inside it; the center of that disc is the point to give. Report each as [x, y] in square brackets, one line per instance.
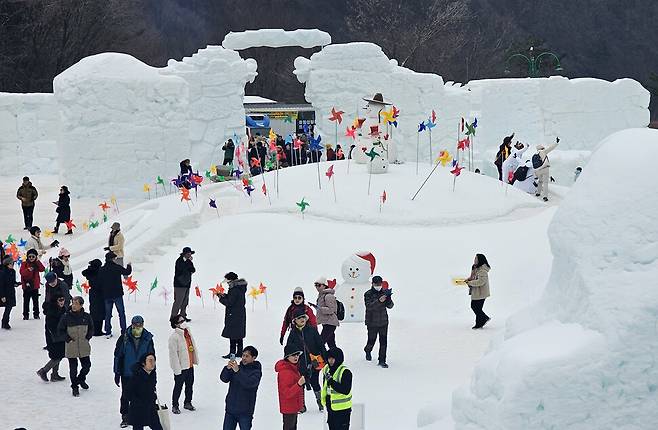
[29, 128]
[123, 124]
[216, 78]
[584, 357]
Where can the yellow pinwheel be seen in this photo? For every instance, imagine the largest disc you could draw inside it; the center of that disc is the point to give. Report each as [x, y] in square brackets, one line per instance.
[147, 188]
[444, 158]
[254, 292]
[272, 134]
[386, 117]
[213, 170]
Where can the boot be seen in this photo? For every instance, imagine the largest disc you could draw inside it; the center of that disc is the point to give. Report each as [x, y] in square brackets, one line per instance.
[68, 232]
[6, 326]
[124, 421]
[75, 391]
[188, 406]
[368, 356]
[175, 410]
[42, 375]
[55, 377]
[83, 385]
[382, 364]
[318, 399]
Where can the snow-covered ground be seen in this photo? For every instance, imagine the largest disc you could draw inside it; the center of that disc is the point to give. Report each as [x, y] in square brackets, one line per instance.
[419, 247]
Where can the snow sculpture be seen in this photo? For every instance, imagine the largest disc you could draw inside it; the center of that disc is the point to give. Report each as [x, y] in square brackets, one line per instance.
[580, 111]
[583, 357]
[356, 270]
[123, 124]
[275, 38]
[373, 135]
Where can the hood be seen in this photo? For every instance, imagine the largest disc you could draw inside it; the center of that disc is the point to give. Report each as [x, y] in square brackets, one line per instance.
[240, 283]
[336, 353]
[328, 291]
[284, 365]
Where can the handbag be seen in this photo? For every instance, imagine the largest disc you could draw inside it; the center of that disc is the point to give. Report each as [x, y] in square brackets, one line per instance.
[163, 415]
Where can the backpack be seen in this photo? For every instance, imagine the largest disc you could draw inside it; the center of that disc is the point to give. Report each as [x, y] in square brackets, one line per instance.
[537, 161]
[521, 173]
[340, 310]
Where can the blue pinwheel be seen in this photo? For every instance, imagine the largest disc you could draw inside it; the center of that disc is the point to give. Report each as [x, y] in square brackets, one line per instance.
[249, 189]
[213, 203]
[22, 243]
[421, 127]
[430, 125]
[237, 173]
[315, 144]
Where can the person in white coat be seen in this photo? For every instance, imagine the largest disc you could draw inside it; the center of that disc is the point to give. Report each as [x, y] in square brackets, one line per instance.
[542, 167]
[183, 355]
[513, 161]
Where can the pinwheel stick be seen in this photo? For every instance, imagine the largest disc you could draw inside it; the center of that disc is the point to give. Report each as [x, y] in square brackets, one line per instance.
[430, 130]
[425, 181]
[164, 190]
[417, 150]
[369, 175]
[156, 191]
[266, 190]
[333, 184]
[319, 181]
[277, 177]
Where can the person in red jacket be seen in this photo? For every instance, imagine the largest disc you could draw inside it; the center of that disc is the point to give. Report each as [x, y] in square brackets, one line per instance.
[297, 302]
[291, 387]
[31, 281]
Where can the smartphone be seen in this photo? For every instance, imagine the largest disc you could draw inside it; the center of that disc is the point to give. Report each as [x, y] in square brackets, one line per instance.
[232, 357]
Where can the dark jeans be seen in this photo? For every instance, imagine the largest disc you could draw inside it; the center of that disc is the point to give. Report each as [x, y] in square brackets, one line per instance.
[480, 316]
[236, 347]
[27, 296]
[121, 309]
[5, 315]
[155, 423]
[289, 421]
[126, 388]
[27, 215]
[231, 421]
[186, 377]
[98, 327]
[77, 378]
[373, 333]
[339, 420]
[329, 335]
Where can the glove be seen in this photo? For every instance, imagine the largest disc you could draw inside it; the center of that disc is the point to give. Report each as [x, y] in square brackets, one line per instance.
[107, 248]
[281, 340]
[54, 244]
[117, 379]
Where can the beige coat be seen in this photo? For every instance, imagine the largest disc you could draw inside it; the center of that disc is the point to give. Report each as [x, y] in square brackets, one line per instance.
[179, 358]
[35, 243]
[327, 307]
[77, 328]
[117, 248]
[479, 285]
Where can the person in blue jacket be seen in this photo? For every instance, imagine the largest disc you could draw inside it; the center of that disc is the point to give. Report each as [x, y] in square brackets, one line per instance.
[130, 347]
[243, 380]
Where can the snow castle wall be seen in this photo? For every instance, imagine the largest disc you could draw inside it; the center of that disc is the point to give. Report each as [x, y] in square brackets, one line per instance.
[123, 124]
[580, 111]
[216, 78]
[29, 128]
[584, 357]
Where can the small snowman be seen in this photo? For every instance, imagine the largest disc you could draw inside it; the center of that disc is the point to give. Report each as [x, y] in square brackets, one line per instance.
[356, 270]
[370, 135]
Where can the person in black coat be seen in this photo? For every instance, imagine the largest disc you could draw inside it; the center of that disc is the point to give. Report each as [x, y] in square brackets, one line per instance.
[63, 209]
[243, 380]
[182, 283]
[8, 286]
[96, 300]
[111, 283]
[143, 396]
[235, 317]
[377, 300]
[54, 311]
[229, 151]
[304, 337]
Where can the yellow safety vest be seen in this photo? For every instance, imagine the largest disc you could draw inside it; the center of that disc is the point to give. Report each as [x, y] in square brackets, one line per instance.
[339, 402]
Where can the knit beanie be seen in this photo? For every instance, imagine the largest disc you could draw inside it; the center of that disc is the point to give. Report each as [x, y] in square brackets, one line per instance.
[298, 292]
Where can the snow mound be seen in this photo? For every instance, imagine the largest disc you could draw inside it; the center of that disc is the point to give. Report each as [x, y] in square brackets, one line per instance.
[584, 357]
[118, 114]
[275, 38]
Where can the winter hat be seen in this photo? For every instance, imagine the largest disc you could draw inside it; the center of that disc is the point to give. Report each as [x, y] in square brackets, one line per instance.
[290, 350]
[64, 252]
[51, 276]
[115, 226]
[540, 147]
[8, 259]
[110, 256]
[298, 292]
[137, 319]
[300, 313]
[96, 263]
[322, 280]
[34, 229]
[336, 353]
[231, 276]
[33, 252]
[377, 280]
[186, 250]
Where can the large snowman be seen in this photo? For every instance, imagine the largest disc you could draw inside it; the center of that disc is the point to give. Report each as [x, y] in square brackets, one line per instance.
[357, 270]
[373, 135]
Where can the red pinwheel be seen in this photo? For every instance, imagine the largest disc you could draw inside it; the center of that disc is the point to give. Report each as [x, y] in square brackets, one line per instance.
[85, 286]
[70, 225]
[185, 194]
[464, 143]
[262, 288]
[330, 171]
[273, 146]
[456, 170]
[297, 143]
[217, 290]
[255, 162]
[336, 115]
[197, 179]
[350, 132]
[197, 291]
[264, 189]
[384, 197]
[395, 111]
[359, 122]
[433, 116]
[104, 206]
[246, 182]
[340, 153]
[130, 284]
